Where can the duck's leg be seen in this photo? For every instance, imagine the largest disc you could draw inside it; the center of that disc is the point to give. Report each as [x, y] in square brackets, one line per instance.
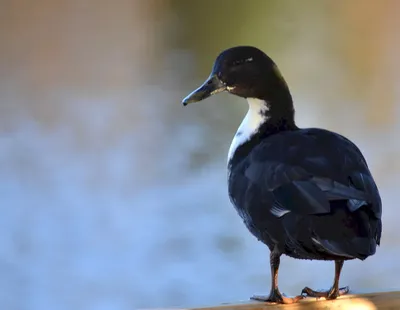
[335, 291]
[275, 295]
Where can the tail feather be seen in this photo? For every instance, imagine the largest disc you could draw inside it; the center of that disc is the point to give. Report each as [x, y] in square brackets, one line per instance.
[347, 234]
[340, 234]
[359, 248]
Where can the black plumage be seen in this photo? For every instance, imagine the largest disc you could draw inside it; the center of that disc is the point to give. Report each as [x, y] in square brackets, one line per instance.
[309, 190]
[305, 193]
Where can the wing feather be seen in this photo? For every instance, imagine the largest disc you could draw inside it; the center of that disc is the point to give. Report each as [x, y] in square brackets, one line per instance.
[320, 167]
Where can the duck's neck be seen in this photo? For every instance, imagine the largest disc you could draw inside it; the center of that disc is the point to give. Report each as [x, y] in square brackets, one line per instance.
[262, 119]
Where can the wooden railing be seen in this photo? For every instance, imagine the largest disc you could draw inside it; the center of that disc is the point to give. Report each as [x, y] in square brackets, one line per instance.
[371, 301]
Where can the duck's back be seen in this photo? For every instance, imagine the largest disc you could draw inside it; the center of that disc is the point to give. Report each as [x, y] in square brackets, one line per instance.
[311, 192]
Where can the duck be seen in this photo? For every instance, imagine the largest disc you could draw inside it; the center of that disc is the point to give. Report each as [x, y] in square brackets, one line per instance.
[306, 193]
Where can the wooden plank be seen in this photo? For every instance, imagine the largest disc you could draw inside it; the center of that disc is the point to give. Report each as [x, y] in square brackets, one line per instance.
[371, 301]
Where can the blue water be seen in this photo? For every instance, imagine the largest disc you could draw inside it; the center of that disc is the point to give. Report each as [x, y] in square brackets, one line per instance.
[93, 223]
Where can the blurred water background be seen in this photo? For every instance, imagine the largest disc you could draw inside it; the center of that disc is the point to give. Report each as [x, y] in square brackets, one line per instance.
[114, 196]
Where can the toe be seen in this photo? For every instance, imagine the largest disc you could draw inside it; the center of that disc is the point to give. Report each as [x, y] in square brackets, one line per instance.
[308, 292]
[277, 298]
[260, 298]
[344, 290]
[333, 294]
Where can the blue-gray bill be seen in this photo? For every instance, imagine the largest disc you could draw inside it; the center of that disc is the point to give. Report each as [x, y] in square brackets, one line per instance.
[211, 86]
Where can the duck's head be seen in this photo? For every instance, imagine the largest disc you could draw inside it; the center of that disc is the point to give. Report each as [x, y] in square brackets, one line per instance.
[244, 71]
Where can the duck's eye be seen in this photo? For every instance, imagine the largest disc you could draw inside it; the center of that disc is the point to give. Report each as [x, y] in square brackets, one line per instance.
[242, 61]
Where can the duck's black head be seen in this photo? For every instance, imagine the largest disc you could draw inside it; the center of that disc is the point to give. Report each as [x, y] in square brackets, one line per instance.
[244, 71]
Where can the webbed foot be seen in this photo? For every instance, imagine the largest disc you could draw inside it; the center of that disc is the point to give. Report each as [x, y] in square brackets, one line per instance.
[333, 293]
[276, 297]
